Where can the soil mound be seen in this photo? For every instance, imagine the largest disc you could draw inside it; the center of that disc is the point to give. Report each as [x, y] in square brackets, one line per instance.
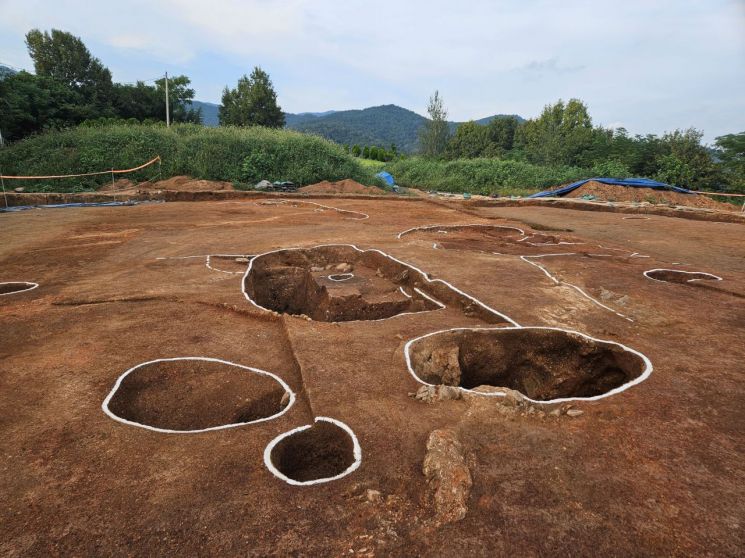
[346, 186]
[117, 186]
[609, 192]
[541, 363]
[186, 184]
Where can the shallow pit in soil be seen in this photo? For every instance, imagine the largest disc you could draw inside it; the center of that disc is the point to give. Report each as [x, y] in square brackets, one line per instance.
[335, 284]
[541, 363]
[488, 238]
[185, 395]
[322, 451]
[681, 277]
[15, 287]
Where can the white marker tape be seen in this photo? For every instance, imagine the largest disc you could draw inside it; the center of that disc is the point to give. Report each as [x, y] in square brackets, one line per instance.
[575, 287]
[643, 376]
[281, 202]
[341, 277]
[429, 227]
[213, 268]
[709, 276]
[29, 287]
[424, 275]
[356, 451]
[280, 381]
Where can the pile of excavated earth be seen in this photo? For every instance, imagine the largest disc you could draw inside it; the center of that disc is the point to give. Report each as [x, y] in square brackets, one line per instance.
[614, 193]
[270, 375]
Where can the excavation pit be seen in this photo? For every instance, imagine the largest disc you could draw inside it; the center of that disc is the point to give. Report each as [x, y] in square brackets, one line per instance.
[336, 283]
[312, 454]
[196, 394]
[13, 287]
[680, 277]
[544, 364]
[499, 239]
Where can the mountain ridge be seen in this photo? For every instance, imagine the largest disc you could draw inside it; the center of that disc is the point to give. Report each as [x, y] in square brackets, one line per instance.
[380, 125]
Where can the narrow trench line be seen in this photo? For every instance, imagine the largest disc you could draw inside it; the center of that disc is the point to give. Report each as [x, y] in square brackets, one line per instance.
[558, 281]
[296, 365]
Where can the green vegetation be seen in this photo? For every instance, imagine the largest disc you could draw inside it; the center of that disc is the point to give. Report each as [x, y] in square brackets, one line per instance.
[481, 176]
[71, 86]
[243, 155]
[373, 152]
[435, 134]
[253, 102]
[381, 125]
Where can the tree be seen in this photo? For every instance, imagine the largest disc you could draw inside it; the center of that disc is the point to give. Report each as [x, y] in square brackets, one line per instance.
[434, 135]
[501, 135]
[731, 151]
[180, 96]
[356, 151]
[252, 103]
[30, 103]
[470, 140]
[65, 58]
[366, 152]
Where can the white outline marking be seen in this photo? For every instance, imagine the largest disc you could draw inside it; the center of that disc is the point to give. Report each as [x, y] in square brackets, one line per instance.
[424, 276]
[357, 452]
[427, 227]
[117, 384]
[425, 295]
[708, 277]
[407, 295]
[209, 256]
[343, 277]
[575, 287]
[643, 376]
[281, 202]
[27, 283]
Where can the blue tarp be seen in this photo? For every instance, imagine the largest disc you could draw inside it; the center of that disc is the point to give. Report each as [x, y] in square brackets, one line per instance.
[388, 177]
[630, 182]
[77, 204]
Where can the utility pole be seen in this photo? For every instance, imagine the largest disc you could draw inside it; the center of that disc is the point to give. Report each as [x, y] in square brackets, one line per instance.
[168, 110]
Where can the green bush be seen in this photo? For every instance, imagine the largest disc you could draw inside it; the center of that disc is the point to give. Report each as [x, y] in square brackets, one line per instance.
[482, 176]
[225, 153]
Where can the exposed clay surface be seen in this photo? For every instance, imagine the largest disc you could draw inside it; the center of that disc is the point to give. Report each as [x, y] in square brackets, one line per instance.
[489, 239]
[653, 471]
[322, 451]
[684, 278]
[543, 364]
[232, 264]
[15, 287]
[447, 475]
[195, 394]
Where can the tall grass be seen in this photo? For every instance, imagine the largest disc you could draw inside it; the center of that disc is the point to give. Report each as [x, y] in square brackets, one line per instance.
[481, 176]
[243, 155]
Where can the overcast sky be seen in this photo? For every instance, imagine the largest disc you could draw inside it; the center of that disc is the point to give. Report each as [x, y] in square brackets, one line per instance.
[647, 65]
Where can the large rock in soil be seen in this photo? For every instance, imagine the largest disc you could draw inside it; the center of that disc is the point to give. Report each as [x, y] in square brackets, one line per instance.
[447, 475]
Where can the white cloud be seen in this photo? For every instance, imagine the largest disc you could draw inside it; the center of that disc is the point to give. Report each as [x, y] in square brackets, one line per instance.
[652, 65]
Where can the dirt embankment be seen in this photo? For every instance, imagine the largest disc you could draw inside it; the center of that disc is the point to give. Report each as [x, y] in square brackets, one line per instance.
[346, 186]
[608, 192]
[175, 183]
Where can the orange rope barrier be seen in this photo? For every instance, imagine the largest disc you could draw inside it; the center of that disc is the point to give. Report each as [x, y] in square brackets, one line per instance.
[112, 171]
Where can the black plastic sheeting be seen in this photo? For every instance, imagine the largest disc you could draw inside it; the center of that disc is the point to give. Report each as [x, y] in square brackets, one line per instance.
[629, 182]
[80, 204]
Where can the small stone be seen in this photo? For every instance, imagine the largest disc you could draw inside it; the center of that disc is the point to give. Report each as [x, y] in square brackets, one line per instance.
[285, 400]
[555, 412]
[344, 268]
[373, 495]
[448, 393]
[242, 260]
[316, 269]
[574, 412]
[19, 190]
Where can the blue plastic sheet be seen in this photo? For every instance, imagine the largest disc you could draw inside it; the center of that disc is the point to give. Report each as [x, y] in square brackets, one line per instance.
[388, 177]
[629, 182]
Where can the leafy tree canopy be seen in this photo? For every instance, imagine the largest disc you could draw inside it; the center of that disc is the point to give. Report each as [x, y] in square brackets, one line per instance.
[253, 102]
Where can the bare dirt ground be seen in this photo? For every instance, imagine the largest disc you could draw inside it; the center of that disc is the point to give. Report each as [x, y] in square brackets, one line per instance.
[346, 186]
[655, 469]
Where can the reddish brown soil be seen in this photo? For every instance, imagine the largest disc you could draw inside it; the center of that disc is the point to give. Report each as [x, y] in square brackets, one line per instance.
[346, 186]
[192, 395]
[186, 184]
[654, 470]
[609, 192]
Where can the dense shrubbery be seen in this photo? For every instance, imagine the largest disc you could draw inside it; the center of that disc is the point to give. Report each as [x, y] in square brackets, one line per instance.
[227, 153]
[482, 176]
